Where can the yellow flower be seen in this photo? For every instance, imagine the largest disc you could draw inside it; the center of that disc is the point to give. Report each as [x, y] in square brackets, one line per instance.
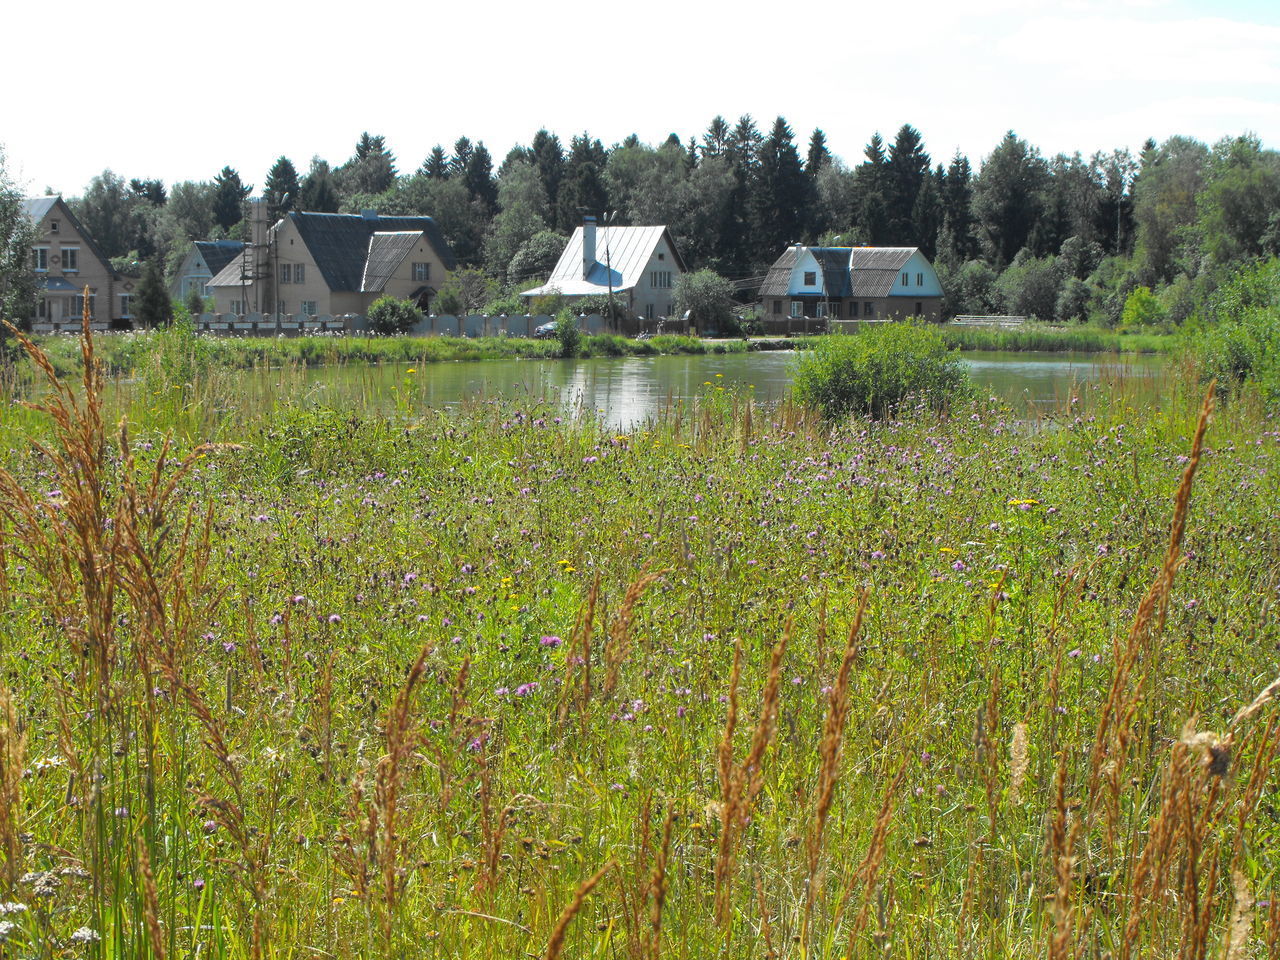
[411, 370]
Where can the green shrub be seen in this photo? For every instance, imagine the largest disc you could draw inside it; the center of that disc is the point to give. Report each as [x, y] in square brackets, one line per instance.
[567, 333]
[1237, 339]
[389, 316]
[872, 372]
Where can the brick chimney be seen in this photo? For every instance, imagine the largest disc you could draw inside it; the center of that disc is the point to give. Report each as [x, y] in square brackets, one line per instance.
[588, 245]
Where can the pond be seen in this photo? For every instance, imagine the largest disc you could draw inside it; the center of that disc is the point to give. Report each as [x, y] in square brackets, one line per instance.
[629, 391]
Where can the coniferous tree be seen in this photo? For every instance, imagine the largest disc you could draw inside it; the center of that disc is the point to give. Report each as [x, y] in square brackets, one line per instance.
[152, 191]
[281, 188]
[582, 191]
[819, 156]
[548, 159]
[782, 194]
[228, 202]
[478, 178]
[957, 210]
[461, 157]
[319, 191]
[926, 213]
[371, 169]
[436, 166]
[715, 142]
[908, 166]
[1008, 197]
[870, 188]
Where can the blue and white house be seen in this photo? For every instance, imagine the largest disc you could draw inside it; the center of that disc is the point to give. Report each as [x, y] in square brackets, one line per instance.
[852, 283]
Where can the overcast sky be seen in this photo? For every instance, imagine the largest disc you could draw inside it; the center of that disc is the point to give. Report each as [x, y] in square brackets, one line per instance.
[148, 90]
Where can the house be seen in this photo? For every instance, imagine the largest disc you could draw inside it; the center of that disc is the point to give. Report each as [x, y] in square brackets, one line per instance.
[641, 264]
[852, 283]
[332, 264]
[204, 261]
[66, 260]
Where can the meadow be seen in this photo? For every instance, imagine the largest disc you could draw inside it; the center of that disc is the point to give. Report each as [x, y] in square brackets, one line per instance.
[501, 683]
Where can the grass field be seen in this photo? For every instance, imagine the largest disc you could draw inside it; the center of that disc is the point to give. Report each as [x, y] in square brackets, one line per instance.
[495, 684]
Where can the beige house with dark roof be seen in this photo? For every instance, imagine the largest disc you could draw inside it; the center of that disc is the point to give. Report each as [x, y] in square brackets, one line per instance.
[65, 260]
[852, 283]
[332, 264]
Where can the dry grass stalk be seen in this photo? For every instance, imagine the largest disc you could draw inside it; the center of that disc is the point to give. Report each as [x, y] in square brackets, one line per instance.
[556, 944]
[1062, 839]
[658, 885]
[1018, 761]
[150, 901]
[1237, 943]
[868, 871]
[740, 784]
[13, 761]
[766, 928]
[618, 642]
[579, 655]
[828, 772]
[1111, 742]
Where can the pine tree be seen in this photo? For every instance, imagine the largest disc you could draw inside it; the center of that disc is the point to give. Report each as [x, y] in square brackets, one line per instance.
[782, 195]
[461, 157]
[819, 156]
[436, 166]
[548, 159]
[582, 191]
[870, 189]
[281, 188]
[957, 209]
[318, 192]
[228, 201]
[715, 142]
[908, 166]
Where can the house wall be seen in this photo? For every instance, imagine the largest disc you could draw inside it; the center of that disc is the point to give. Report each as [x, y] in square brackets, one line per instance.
[650, 300]
[401, 283]
[104, 286]
[882, 308]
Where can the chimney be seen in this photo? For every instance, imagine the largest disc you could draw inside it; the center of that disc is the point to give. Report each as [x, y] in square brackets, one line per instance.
[588, 245]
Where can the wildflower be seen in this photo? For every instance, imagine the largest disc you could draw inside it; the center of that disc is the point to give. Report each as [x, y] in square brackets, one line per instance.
[551, 641]
[277, 618]
[12, 907]
[197, 884]
[85, 935]
[334, 618]
[527, 688]
[295, 600]
[877, 554]
[959, 565]
[209, 826]
[6, 929]
[1074, 653]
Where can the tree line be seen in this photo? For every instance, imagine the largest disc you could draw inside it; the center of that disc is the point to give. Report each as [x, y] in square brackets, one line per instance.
[1112, 237]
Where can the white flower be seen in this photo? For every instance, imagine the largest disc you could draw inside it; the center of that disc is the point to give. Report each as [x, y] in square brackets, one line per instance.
[85, 935]
[7, 927]
[12, 907]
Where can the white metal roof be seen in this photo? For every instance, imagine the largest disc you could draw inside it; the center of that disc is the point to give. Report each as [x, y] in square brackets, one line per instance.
[626, 250]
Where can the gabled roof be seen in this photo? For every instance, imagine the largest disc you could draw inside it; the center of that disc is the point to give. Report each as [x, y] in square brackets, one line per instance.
[387, 250]
[846, 271]
[216, 254]
[339, 243]
[37, 208]
[625, 250]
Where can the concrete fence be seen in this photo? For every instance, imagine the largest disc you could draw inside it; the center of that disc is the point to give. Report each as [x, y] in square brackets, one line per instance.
[292, 325]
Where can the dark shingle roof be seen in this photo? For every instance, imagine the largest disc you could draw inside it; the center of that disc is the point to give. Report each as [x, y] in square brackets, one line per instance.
[386, 252]
[835, 270]
[777, 282]
[339, 242]
[218, 253]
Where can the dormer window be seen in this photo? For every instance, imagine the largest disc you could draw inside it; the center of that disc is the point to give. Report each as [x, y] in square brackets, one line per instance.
[810, 278]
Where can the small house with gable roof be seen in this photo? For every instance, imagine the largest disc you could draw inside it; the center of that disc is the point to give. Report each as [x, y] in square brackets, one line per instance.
[639, 264]
[65, 260]
[318, 264]
[852, 283]
[204, 261]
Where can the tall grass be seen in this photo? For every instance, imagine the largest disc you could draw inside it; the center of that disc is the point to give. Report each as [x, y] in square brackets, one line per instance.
[388, 688]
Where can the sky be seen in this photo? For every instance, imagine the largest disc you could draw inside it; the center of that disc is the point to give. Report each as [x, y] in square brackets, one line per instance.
[148, 90]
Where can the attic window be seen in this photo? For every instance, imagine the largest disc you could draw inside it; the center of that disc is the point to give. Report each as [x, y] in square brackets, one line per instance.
[810, 278]
[53, 226]
[662, 256]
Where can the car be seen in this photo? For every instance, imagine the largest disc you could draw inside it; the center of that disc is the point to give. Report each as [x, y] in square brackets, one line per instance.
[545, 331]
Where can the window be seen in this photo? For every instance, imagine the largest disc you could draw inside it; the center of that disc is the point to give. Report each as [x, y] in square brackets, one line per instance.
[307, 308]
[868, 309]
[662, 256]
[777, 306]
[53, 226]
[421, 272]
[660, 278]
[810, 278]
[648, 311]
[70, 259]
[824, 309]
[286, 273]
[281, 307]
[835, 310]
[126, 306]
[40, 259]
[919, 309]
[299, 273]
[905, 278]
[237, 307]
[797, 308]
[919, 279]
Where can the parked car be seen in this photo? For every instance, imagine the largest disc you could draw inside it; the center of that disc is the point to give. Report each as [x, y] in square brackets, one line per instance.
[544, 331]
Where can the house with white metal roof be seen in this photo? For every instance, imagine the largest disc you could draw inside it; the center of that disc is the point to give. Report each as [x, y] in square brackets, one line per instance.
[852, 283]
[639, 264]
